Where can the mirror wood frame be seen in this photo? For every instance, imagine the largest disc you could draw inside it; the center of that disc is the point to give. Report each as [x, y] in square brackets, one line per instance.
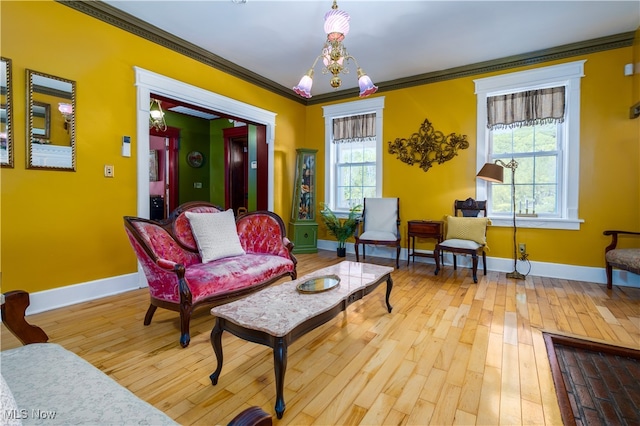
[7, 105]
[50, 154]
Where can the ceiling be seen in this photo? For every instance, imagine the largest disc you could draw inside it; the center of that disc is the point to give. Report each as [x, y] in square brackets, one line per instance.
[391, 40]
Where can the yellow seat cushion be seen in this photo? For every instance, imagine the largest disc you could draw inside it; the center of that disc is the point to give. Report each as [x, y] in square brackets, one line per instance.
[467, 228]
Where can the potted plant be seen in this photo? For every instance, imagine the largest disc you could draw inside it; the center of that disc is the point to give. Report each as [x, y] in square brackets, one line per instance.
[341, 228]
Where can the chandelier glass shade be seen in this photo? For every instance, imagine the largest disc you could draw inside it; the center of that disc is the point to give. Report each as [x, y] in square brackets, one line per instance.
[335, 57]
[66, 110]
[156, 116]
[67, 113]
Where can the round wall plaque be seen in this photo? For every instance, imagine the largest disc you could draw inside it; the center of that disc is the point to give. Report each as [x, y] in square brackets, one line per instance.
[195, 159]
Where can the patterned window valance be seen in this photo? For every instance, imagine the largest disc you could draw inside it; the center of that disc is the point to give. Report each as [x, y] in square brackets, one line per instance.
[356, 128]
[529, 108]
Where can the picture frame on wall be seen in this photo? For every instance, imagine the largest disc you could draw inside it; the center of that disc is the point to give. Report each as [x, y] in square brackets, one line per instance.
[153, 165]
[195, 159]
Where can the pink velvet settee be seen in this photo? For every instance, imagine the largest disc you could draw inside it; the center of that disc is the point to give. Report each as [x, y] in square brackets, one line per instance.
[180, 281]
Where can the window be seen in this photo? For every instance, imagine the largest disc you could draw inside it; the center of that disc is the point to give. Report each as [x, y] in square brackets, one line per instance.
[353, 160]
[537, 150]
[547, 151]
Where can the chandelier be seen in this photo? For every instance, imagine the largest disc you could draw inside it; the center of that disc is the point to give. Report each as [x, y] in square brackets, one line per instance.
[156, 116]
[335, 56]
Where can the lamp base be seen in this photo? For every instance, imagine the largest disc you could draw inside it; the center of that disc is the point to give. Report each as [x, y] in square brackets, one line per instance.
[515, 275]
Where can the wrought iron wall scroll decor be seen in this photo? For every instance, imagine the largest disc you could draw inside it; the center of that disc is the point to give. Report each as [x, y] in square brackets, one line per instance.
[428, 146]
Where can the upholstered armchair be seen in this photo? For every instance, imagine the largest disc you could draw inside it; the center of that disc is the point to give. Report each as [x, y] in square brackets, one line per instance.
[627, 259]
[380, 225]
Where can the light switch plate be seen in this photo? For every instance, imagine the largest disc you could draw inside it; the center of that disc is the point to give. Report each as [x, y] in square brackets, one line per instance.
[108, 170]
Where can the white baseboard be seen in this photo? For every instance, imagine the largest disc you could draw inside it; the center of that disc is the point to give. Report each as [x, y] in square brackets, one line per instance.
[499, 264]
[70, 295]
[47, 300]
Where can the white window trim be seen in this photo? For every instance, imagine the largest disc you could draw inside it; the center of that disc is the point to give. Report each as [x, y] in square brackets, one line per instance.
[567, 75]
[367, 106]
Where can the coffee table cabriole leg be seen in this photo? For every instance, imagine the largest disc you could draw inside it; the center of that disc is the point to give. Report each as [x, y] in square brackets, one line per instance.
[280, 367]
[216, 342]
[389, 287]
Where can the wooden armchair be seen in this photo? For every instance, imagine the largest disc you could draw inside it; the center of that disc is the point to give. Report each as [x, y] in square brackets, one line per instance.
[627, 259]
[466, 235]
[380, 225]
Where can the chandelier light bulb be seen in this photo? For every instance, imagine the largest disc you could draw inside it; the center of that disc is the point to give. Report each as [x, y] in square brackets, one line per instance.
[156, 116]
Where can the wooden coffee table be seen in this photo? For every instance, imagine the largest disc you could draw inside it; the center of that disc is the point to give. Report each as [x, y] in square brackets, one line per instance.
[276, 316]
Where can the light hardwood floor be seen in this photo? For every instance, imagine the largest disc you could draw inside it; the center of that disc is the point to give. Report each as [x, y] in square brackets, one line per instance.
[451, 352]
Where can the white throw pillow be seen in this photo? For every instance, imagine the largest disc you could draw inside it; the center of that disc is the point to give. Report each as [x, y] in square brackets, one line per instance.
[216, 235]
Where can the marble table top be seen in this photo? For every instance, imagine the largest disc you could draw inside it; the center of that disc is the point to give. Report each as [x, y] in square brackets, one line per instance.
[278, 309]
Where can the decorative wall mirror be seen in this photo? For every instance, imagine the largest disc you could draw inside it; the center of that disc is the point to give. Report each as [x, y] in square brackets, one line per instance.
[51, 122]
[6, 104]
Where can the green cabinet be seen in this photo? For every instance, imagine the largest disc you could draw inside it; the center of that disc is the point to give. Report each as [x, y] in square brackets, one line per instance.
[303, 229]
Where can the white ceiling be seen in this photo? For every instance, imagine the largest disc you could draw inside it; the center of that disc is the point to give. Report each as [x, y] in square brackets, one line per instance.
[390, 39]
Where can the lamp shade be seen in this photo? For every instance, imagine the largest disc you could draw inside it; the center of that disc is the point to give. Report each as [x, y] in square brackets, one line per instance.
[366, 86]
[304, 87]
[336, 24]
[491, 172]
[65, 108]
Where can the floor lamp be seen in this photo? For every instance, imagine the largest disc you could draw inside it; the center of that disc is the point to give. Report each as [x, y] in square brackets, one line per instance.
[494, 172]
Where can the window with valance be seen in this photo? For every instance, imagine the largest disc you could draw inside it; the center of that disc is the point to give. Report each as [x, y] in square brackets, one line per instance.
[533, 117]
[353, 135]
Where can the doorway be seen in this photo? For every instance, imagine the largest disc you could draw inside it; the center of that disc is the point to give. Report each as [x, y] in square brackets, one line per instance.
[148, 82]
[163, 172]
[236, 168]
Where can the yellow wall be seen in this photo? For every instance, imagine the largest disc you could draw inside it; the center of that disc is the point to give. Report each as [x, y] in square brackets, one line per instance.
[609, 167]
[63, 228]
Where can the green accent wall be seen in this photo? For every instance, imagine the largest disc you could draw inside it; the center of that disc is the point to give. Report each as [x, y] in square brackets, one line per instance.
[194, 136]
[252, 146]
[217, 178]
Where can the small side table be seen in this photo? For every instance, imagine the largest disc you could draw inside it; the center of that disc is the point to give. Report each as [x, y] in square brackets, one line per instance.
[422, 229]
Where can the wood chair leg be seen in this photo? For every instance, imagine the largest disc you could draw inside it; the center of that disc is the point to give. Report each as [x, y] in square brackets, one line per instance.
[185, 319]
[357, 253]
[455, 266]
[475, 267]
[436, 256]
[609, 275]
[398, 258]
[149, 314]
[484, 262]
